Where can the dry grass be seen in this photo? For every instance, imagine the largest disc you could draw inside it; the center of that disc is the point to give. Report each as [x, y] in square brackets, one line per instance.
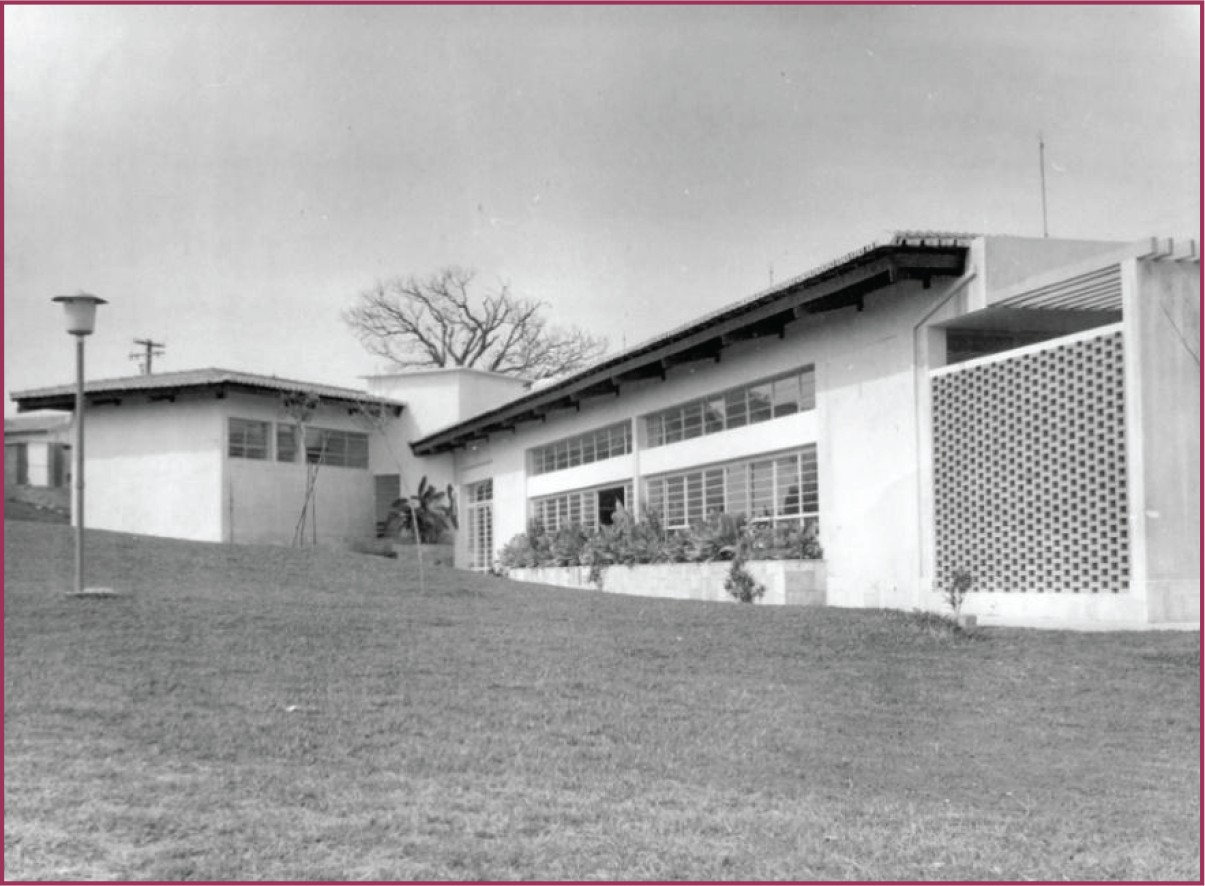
[266, 713]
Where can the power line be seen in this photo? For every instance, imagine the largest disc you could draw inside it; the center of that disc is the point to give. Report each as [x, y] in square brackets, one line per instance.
[146, 356]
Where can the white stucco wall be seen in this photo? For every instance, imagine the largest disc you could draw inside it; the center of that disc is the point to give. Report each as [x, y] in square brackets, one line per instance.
[1162, 323]
[262, 499]
[155, 468]
[863, 424]
[161, 468]
[436, 398]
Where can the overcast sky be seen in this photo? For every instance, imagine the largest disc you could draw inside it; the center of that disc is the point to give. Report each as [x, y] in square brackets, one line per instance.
[229, 178]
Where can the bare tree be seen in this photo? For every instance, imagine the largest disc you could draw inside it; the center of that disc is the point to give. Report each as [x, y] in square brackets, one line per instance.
[437, 321]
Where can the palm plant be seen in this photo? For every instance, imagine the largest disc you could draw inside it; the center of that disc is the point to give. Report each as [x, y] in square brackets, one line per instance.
[429, 513]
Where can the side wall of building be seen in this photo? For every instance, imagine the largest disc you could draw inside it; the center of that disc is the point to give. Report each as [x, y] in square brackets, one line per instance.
[263, 499]
[155, 468]
[1163, 331]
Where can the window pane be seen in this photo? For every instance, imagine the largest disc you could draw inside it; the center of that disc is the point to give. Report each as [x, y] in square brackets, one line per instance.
[713, 491]
[713, 415]
[315, 447]
[809, 490]
[336, 448]
[692, 420]
[807, 389]
[286, 443]
[675, 509]
[656, 498]
[737, 483]
[761, 490]
[786, 395]
[759, 403]
[357, 451]
[248, 439]
[655, 430]
[735, 409]
[673, 426]
[787, 483]
[694, 497]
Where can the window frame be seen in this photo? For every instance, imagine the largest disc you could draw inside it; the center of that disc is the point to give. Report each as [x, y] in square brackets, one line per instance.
[610, 441]
[762, 400]
[238, 444]
[763, 487]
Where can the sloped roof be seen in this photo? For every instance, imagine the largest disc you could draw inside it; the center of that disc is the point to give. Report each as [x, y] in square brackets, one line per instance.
[839, 283]
[164, 385]
[36, 424]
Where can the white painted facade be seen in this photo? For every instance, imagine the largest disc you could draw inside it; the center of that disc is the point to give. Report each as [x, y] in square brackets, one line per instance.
[163, 467]
[37, 452]
[863, 426]
[872, 427]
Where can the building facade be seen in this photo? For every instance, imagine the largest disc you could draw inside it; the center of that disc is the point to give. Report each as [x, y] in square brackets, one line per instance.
[1024, 410]
[37, 451]
[220, 456]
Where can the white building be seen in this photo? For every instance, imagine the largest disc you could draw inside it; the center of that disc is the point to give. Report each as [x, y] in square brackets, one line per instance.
[37, 451]
[1023, 409]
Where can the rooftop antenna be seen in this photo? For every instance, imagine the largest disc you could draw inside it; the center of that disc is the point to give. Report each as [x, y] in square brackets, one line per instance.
[1042, 169]
[150, 350]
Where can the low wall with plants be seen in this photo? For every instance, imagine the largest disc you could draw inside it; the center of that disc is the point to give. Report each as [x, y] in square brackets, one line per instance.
[720, 558]
[784, 582]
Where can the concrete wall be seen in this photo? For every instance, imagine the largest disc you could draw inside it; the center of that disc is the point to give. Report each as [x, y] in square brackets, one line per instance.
[155, 468]
[161, 468]
[1162, 323]
[263, 499]
[787, 582]
[1009, 260]
[436, 398]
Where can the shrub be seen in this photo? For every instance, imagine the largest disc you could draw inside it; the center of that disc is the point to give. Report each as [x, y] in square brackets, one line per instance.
[957, 588]
[741, 584]
[628, 541]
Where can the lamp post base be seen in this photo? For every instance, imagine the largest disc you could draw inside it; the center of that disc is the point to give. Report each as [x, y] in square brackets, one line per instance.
[98, 592]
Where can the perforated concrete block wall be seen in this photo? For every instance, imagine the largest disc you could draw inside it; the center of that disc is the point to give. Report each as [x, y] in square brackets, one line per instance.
[1030, 470]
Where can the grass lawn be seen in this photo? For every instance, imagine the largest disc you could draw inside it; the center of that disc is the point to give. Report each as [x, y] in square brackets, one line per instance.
[278, 714]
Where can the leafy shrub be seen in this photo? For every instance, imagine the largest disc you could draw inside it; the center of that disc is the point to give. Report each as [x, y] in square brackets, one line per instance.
[430, 510]
[741, 584]
[628, 541]
[957, 588]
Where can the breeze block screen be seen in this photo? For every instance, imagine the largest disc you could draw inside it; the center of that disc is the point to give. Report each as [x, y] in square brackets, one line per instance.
[1030, 470]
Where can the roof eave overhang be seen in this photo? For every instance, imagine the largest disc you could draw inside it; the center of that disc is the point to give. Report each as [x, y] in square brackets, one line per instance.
[64, 399]
[845, 285]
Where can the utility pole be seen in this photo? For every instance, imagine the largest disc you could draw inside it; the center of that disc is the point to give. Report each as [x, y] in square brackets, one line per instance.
[150, 350]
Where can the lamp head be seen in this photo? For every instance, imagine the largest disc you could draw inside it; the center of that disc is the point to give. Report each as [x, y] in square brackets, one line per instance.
[80, 312]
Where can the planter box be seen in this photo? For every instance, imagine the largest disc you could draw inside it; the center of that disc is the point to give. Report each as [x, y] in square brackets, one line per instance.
[787, 582]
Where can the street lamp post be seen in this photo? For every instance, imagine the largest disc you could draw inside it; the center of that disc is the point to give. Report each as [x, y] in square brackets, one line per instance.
[80, 315]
